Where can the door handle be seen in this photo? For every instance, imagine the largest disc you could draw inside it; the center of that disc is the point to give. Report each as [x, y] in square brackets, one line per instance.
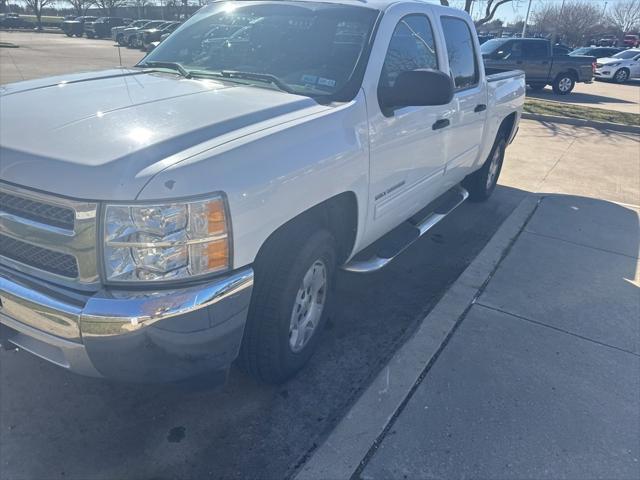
[480, 108]
[443, 122]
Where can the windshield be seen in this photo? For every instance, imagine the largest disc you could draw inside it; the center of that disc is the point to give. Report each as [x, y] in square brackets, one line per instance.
[306, 48]
[491, 46]
[627, 54]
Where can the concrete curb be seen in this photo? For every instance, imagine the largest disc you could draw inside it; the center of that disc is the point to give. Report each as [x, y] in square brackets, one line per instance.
[349, 443]
[580, 122]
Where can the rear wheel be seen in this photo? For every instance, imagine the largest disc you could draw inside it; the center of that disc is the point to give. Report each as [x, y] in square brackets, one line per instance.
[621, 76]
[564, 83]
[290, 302]
[481, 183]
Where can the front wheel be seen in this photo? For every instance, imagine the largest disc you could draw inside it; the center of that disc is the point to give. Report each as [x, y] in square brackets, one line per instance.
[563, 84]
[481, 183]
[621, 76]
[290, 303]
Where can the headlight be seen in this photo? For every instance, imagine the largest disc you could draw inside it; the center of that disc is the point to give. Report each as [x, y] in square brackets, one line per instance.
[166, 241]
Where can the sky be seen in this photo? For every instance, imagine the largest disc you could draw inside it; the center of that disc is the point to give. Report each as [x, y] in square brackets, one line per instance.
[517, 9]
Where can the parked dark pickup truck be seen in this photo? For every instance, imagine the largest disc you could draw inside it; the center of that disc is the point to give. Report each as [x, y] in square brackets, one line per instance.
[102, 26]
[541, 66]
[76, 26]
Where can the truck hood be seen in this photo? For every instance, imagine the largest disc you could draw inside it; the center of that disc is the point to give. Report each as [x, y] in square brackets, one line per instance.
[105, 135]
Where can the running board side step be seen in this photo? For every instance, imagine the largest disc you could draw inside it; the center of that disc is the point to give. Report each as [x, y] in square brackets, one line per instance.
[388, 247]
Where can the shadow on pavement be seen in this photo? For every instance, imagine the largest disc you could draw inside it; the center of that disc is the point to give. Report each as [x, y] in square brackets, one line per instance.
[58, 425]
[576, 97]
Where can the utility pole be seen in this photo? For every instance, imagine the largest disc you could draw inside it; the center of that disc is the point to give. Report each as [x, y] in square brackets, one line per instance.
[526, 20]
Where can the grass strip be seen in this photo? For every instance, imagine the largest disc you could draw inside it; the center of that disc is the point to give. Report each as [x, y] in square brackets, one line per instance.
[543, 107]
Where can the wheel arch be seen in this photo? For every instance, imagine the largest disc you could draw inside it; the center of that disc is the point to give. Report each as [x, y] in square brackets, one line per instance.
[508, 127]
[338, 214]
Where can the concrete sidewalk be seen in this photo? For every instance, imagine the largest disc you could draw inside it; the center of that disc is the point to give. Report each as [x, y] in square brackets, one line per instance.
[529, 366]
[542, 377]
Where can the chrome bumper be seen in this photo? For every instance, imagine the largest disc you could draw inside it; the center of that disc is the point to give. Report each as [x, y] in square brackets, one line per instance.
[157, 336]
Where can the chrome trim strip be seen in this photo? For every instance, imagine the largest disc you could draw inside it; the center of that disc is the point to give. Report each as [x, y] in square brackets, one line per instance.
[376, 262]
[111, 313]
[177, 243]
[80, 243]
[23, 302]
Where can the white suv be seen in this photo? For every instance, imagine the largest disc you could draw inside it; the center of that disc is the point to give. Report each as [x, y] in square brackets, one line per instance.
[620, 67]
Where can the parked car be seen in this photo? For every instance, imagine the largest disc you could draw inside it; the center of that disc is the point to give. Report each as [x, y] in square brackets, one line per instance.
[13, 20]
[620, 67]
[631, 41]
[129, 35]
[204, 220]
[596, 52]
[153, 45]
[75, 27]
[541, 67]
[101, 28]
[117, 33]
[149, 36]
[607, 41]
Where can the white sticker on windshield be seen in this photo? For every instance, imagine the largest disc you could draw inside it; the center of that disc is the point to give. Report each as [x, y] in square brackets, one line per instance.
[312, 79]
[327, 82]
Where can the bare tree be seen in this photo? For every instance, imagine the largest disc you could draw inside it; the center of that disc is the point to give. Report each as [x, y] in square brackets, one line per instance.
[36, 6]
[80, 7]
[573, 23]
[489, 12]
[111, 6]
[141, 7]
[625, 16]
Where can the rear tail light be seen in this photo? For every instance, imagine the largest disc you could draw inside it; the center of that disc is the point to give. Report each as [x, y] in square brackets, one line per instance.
[593, 66]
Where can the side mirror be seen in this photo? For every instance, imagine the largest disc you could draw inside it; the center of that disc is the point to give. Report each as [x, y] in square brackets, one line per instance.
[417, 88]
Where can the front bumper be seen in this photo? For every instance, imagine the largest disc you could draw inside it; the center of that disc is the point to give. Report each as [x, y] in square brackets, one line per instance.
[605, 72]
[137, 336]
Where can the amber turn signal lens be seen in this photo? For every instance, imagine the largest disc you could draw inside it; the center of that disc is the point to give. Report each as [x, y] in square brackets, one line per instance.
[216, 219]
[217, 255]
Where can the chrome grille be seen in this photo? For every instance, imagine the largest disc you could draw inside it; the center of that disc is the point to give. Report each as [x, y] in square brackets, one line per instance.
[38, 257]
[54, 215]
[50, 237]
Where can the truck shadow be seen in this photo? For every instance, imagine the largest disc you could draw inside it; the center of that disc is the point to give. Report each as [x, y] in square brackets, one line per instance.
[572, 132]
[55, 424]
[577, 97]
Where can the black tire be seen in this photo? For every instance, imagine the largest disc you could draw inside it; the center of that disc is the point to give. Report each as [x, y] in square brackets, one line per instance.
[477, 184]
[537, 87]
[120, 40]
[564, 83]
[90, 35]
[621, 75]
[68, 34]
[266, 353]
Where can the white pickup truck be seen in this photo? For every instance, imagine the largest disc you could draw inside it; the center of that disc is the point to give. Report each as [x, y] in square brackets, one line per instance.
[159, 222]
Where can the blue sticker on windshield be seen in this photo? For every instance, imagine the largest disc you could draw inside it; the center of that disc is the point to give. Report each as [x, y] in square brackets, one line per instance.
[326, 82]
[312, 79]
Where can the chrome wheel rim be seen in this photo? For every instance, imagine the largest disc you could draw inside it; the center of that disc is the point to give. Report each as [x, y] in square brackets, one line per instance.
[565, 84]
[308, 306]
[494, 166]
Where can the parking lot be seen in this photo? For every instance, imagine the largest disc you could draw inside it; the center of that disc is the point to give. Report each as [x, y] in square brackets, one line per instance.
[40, 55]
[54, 424]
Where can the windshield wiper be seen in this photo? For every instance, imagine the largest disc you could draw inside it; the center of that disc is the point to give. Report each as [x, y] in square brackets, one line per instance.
[171, 65]
[261, 77]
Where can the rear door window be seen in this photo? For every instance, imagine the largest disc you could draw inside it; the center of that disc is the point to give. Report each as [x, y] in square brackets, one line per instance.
[461, 51]
[535, 49]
